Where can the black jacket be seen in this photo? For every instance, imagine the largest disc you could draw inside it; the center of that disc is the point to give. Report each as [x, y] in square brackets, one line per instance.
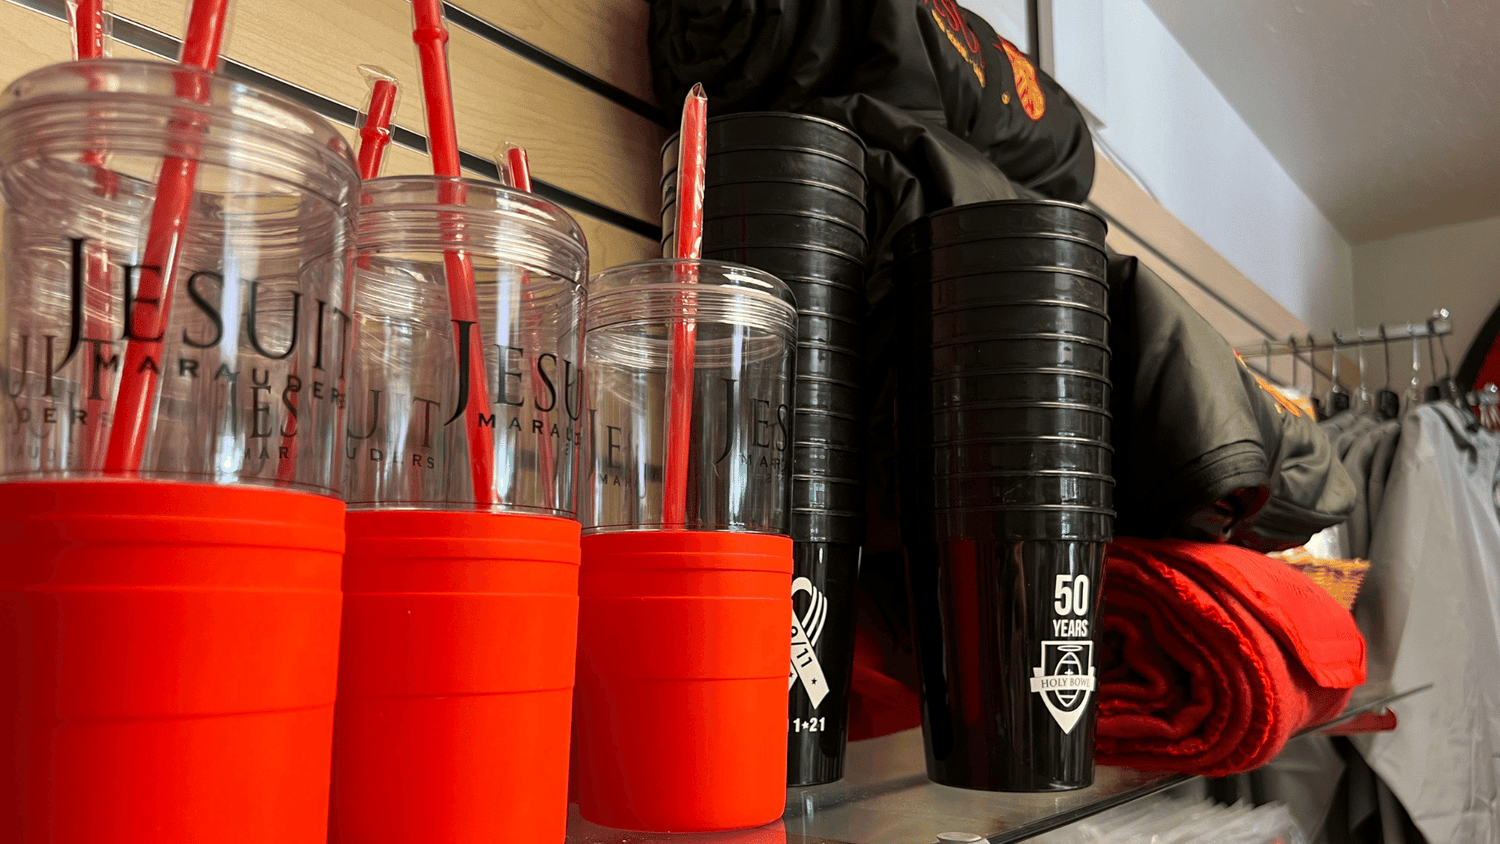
[1202, 451]
[952, 114]
[930, 87]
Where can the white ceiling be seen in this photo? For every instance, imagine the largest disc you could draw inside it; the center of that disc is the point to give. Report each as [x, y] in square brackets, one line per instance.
[1385, 112]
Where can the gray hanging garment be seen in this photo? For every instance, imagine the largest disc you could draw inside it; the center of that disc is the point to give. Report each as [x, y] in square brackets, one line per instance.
[1430, 611]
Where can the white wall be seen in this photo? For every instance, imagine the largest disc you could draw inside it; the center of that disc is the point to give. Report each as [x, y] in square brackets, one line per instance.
[1008, 17]
[1178, 135]
[1404, 278]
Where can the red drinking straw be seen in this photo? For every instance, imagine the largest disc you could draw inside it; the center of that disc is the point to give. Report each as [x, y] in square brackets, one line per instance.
[87, 21]
[691, 155]
[174, 193]
[374, 135]
[520, 168]
[431, 38]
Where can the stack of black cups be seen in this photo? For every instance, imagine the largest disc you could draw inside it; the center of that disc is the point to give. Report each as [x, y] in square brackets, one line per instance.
[1008, 496]
[785, 194]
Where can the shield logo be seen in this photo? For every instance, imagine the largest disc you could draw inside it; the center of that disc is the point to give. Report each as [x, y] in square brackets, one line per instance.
[1065, 679]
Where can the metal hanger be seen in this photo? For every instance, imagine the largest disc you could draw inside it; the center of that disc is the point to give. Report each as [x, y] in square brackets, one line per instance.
[1320, 410]
[1338, 397]
[1363, 400]
[1387, 402]
[1445, 388]
[1414, 389]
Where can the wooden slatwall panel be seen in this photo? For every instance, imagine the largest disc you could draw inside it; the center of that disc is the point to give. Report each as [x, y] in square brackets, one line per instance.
[567, 79]
[606, 38]
[33, 40]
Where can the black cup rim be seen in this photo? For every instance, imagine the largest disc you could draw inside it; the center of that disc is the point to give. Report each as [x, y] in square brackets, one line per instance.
[991, 509]
[990, 371]
[1007, 470]
[795, 148]
[818, 344]
[780, 115]
[822, 154]
[1077, 306]
[1044, 370]
[860, 264]
[922, 250]
[794, 280]
[824, 374]
[812, 183]
[968, 340]
[1006, 439]
[857, 221]
[804, 412]
[849, 435]
[803, 476]
[667, 236]
[854, 321]
[1062, 304]
[1007, 403]
[814, 321]
[804, 378]
[933, 446]
[848, 546]
[1097, 278]
[975, 207]
[761, 114]
[1034, 473]
[1044, 270]
[830, 513]
[857, 354]
[844, 372]
[822, 447]
[1064, 406]
[853, 259]
[810, 215]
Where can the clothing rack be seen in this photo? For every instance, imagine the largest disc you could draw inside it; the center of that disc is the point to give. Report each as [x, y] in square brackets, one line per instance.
[1438, 325]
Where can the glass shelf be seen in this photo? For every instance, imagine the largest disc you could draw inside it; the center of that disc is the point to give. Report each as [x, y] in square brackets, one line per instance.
[886, 798]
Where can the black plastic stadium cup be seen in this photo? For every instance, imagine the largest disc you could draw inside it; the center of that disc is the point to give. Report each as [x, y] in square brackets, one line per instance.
[1006, 629]
[824, 575]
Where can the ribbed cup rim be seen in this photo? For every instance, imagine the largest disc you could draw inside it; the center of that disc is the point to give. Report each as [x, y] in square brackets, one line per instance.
[154, 85]
[489, 209]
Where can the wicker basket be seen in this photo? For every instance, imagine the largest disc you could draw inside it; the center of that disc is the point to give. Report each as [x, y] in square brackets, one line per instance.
[1339, 578]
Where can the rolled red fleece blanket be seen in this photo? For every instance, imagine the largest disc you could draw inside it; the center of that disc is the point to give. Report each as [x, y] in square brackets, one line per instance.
[1213, 656]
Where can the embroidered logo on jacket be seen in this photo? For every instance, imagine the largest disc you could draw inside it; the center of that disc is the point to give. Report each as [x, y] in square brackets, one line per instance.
[1028, 89]
[950, 20]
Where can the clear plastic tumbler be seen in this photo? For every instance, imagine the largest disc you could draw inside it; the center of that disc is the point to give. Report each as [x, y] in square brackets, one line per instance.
[174, 321]
[461, 578]
[685, 590]
[412, 428]
[247, 357]
[739, 435]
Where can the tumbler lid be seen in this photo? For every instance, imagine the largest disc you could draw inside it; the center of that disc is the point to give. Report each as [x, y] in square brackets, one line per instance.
[405, 213]
[722, 274]
[129, 100]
